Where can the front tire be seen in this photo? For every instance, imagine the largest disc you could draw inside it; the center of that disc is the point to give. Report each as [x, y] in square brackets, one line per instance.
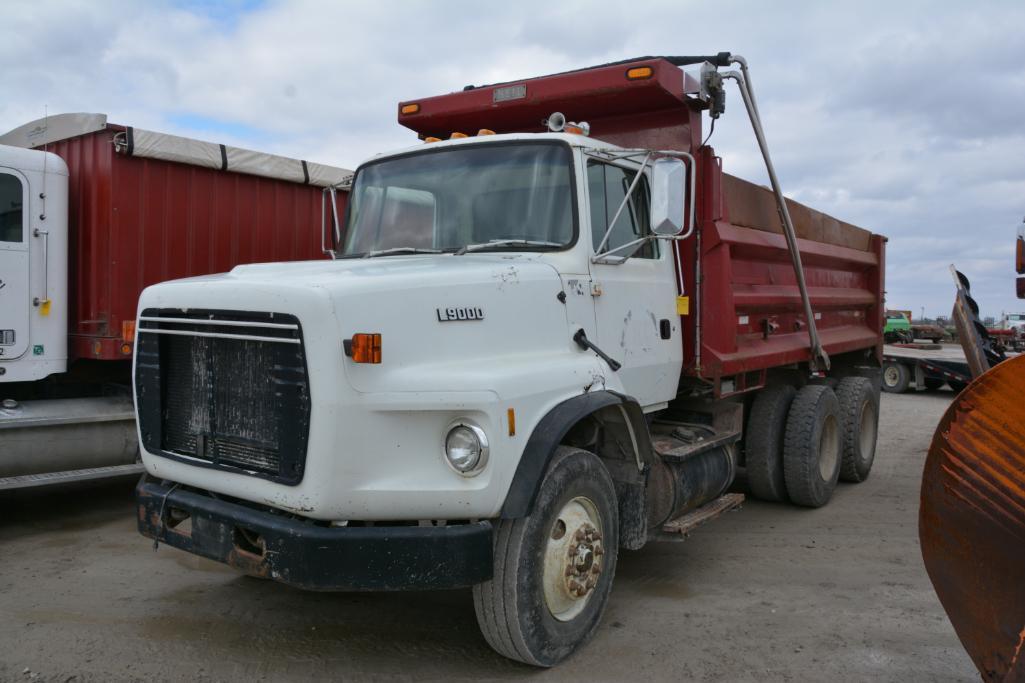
[553, 569]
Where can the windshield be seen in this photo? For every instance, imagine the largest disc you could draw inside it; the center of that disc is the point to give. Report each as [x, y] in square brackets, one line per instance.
[517, 196]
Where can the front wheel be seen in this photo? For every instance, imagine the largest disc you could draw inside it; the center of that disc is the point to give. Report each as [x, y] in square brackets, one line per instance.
[553, 569]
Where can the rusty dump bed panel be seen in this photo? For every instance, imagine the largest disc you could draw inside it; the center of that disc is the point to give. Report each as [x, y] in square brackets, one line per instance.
[749, 306]
[134, 222]
[752, 318]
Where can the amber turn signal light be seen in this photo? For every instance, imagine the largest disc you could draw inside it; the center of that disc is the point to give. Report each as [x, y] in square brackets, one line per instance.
[639, 73]
[410, 108]
[363, 348]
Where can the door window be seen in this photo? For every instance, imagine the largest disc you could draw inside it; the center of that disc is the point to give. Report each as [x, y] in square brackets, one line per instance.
[606, 186]
[11, 198]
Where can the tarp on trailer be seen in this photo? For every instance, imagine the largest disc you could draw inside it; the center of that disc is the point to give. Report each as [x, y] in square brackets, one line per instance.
[150, 144]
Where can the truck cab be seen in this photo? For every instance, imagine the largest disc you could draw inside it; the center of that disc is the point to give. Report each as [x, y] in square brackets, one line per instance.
[497, 380]
[33, 248]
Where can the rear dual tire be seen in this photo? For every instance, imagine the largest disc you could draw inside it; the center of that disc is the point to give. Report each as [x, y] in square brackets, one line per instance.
[812, 447]
[764, 440]
[859, 413]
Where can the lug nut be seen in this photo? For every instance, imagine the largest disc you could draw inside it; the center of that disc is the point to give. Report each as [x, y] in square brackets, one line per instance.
[579, 535]
[599, 551]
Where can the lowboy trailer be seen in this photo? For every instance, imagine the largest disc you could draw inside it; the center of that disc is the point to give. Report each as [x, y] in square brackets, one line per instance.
[537, 343]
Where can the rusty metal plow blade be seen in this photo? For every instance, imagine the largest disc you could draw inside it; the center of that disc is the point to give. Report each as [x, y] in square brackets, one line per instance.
[972, 519]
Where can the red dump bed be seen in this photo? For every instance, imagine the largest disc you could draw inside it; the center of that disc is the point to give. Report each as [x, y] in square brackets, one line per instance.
[136, 221]
[745, 316]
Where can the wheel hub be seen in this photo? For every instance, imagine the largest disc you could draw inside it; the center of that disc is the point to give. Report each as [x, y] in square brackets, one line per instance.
[573, 559]
[583, 561]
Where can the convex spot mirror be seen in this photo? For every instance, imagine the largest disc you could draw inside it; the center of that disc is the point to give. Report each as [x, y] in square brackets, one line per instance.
[668, 187]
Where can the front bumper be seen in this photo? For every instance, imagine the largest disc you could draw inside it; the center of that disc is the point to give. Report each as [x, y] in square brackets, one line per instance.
[269, 544]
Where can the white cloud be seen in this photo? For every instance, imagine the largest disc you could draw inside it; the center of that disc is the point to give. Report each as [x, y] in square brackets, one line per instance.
[903, 118]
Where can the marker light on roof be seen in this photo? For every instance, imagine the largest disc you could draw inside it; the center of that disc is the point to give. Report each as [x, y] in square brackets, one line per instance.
[582, 128]
[432, 139]
[485, 131]
[456, 136]
[413, 108]
[639, 73]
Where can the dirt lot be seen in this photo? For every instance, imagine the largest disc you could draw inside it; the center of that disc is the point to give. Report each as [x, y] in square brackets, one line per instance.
[768, 593]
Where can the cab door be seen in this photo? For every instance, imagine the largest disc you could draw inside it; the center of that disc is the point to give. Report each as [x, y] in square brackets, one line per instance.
[15, 302]
[635, 300]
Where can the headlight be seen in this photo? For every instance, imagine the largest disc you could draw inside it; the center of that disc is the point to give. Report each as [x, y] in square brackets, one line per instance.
[466, 448]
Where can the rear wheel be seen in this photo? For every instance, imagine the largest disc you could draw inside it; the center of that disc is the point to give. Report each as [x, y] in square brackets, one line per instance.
[763, 442]
[553, 569]
[811, 452]
[932, 384]
[859, 416]
[896, 377]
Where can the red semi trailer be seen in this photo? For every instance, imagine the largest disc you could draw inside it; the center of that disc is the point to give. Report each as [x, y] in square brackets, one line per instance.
[541, 341]
[91, 212]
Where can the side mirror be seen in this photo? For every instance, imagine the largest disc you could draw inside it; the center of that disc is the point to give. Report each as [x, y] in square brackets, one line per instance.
[668, 190]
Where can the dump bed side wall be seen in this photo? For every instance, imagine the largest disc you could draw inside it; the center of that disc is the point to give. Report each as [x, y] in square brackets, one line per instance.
[134, 222]
[751, 315]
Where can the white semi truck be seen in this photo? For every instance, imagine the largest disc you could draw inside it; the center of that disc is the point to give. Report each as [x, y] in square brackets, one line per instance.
[529, 350]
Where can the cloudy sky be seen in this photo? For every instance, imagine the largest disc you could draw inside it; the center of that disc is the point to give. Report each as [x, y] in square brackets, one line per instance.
[907, 118]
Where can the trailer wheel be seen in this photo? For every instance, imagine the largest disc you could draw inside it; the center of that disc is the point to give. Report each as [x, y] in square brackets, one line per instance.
[811, 451]
[763, 442]
[859, 413]
[896, 377]
[958, 387]
[932, 384]
[553, 569]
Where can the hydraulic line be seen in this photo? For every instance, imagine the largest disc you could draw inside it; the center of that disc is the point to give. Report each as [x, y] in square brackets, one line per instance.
[819, 358]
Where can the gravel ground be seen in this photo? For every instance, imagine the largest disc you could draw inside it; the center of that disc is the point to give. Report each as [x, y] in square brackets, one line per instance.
[771, 592]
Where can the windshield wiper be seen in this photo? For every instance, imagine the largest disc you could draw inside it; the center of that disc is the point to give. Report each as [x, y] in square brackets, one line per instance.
[400, 250]
[498, 244]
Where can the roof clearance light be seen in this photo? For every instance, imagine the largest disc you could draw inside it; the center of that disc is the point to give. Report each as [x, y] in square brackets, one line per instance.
[485, 131]
[432, 139]
[582, 128]
[456, 136]
[410, 108]
[639, 73]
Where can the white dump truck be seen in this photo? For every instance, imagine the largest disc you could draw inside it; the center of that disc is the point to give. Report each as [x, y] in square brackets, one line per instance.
[532, 347]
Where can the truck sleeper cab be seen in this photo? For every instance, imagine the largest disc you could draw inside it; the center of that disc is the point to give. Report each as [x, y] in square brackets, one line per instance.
[494, 382]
